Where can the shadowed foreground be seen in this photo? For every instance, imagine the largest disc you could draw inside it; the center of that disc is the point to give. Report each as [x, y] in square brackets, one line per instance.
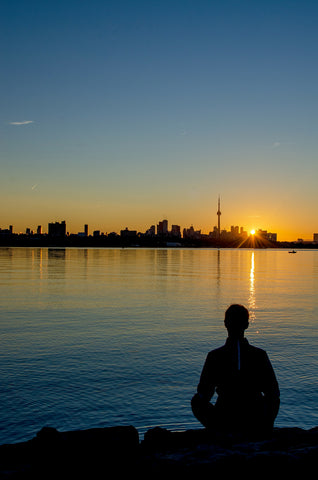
[98, 452]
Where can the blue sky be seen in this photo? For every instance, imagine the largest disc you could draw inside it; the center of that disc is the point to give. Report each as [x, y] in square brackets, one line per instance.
[121, 113]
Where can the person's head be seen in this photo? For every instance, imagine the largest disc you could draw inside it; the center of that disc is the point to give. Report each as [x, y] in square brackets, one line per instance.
[236, 320]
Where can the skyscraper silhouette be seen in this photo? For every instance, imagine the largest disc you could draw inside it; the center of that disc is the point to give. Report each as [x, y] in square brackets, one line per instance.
[219, 215]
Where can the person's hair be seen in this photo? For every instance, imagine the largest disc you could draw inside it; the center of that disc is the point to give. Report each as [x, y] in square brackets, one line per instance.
[236, 318]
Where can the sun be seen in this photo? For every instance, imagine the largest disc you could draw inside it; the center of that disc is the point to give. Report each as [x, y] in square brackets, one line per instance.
[253, 232]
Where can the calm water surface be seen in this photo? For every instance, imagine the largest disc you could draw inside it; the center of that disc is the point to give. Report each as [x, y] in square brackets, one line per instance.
[103, 337]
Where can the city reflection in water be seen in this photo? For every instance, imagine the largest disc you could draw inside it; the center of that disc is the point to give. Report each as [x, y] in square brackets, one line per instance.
[252, 299]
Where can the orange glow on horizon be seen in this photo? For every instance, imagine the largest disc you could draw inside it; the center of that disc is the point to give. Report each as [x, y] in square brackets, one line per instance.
[114, 219]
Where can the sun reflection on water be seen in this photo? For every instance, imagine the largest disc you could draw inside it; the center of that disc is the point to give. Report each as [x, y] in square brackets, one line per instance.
[252, 299]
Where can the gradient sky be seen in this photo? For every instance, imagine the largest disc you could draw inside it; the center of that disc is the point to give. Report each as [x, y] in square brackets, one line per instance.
[122, 113]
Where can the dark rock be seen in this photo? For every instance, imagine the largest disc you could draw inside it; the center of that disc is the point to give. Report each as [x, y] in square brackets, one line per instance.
[52, 454]
[287, 450]
[98, 452]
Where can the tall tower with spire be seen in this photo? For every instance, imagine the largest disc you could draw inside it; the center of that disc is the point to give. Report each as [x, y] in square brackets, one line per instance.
[219, 215]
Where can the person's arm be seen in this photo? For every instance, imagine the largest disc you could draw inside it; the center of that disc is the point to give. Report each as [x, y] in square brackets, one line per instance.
[206, 386]
[270, 389]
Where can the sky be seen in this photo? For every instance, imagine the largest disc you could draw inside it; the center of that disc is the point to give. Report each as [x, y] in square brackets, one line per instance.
[120, 114]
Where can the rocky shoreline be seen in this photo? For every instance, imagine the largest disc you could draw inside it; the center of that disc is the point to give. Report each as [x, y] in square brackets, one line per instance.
[97, 452]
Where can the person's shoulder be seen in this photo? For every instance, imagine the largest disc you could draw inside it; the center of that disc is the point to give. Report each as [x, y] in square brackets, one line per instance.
[216, 352]
[257, 350]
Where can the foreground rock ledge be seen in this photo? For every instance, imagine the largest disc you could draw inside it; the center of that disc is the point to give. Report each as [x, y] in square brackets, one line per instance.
[97, 452]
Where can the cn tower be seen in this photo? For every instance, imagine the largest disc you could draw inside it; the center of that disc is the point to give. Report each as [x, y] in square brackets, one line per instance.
[219, 215]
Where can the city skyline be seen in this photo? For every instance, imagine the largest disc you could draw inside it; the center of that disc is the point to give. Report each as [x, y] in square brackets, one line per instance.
[120, 113]
[76, 227]
[157, 229]
[160, 228]
[157, 235]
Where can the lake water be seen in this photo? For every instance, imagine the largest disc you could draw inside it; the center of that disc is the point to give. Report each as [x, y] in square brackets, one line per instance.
[104, 337]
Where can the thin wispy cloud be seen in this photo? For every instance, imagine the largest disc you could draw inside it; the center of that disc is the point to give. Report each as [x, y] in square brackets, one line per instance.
[26, 122]
[281, 144]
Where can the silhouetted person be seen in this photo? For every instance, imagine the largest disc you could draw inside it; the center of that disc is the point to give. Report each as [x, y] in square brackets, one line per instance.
[244, 380]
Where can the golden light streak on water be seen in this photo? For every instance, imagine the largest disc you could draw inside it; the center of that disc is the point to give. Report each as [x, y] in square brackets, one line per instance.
[252, 298]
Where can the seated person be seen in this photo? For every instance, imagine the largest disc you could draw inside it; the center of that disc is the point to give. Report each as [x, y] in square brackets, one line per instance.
[244, 380]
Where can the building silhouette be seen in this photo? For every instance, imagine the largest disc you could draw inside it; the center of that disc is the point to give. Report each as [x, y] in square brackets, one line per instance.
[151, 232]
[128, 233]
[176, 231]
[162, 228]
[57, 229]
[190, 233]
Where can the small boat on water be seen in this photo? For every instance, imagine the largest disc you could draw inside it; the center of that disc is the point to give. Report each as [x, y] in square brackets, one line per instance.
[292, 251]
